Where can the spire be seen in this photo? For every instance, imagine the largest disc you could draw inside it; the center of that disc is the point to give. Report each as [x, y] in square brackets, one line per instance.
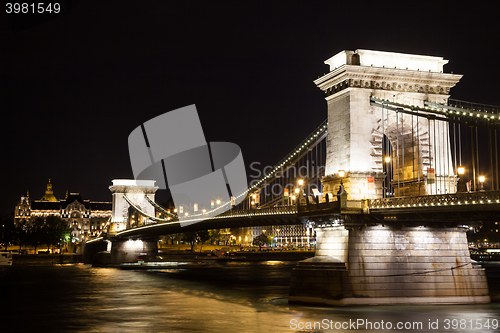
[49, 194]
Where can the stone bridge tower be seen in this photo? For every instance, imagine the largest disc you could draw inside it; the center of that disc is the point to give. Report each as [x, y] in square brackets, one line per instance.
[367, 262]
[356, 129]
[135, 190]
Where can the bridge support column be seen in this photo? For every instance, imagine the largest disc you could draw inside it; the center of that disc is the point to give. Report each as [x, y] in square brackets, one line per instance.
[389, 264]
[129, 250]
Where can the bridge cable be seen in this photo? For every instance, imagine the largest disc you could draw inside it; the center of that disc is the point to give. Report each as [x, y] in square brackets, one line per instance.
[490, 145]
[403, 150]
[143, 213]
[397, 146]
[418, 156]
[158, 206]
[496, 158]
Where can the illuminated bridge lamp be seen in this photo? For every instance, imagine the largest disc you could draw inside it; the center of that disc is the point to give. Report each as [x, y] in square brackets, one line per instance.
[341, 175]
[481, 180]
[297, 190]
[387, 159]
[301, 182]
[461, 184]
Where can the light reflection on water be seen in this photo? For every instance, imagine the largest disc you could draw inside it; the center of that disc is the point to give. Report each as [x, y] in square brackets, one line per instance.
[229, 297]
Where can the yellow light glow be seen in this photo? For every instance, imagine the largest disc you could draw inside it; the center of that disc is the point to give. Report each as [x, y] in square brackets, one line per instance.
[218, 202]
[481, 179]
[461, 170]
[175, 210]
[297, 190]
[301, 182]
[387, 159]
[341, 173]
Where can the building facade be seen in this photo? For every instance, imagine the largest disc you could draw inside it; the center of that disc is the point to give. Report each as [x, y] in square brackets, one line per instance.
[84, 217]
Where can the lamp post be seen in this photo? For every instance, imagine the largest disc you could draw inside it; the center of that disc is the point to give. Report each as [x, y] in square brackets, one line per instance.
[300, 183]
[341, 188]
[341, 175]
[461, 184]
[387, 160]
[481, 181]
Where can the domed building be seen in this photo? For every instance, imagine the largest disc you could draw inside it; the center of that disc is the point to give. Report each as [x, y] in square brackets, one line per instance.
[84, 217]
[49, 194]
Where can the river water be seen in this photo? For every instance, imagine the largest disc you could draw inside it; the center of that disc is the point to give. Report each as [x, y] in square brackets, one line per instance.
[229, 297]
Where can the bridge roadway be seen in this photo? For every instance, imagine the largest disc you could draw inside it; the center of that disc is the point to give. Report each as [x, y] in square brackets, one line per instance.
[441, 210]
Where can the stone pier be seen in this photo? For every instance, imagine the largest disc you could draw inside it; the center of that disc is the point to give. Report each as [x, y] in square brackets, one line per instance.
[388, 265]
[129, 250]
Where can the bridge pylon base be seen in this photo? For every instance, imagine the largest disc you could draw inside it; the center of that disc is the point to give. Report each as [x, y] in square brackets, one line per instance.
[129, 250]
[389, 265]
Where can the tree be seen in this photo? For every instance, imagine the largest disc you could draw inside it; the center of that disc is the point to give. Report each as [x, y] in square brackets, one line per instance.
[21, 236]
[190, 238]
[56, 231]
[35, 235]
[202, 236]
[214, 235]
[261, 240]
[50, 231]
[7, 231]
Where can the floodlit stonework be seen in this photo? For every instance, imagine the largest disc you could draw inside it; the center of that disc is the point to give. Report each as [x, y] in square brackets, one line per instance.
[123, 215]
[356, 129]
[387, 262]
[84, 217]
[389, 265]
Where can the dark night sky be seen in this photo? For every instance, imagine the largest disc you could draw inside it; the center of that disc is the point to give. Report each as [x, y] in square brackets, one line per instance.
[74, 87]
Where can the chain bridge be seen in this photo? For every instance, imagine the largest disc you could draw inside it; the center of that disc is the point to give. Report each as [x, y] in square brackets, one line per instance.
[391, 181]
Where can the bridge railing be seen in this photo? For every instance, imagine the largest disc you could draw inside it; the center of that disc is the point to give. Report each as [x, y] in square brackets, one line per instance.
[493, 109]
[278, 210]
[460, 198]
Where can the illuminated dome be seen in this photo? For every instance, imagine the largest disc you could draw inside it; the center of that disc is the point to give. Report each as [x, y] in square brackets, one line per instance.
[49, 194]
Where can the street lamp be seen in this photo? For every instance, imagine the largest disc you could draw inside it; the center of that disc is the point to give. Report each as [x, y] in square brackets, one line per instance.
[481, 180]
[301, 182]
[461, 184]
[341, 188]
[218, 202]
[387, 160]
[341, 175]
